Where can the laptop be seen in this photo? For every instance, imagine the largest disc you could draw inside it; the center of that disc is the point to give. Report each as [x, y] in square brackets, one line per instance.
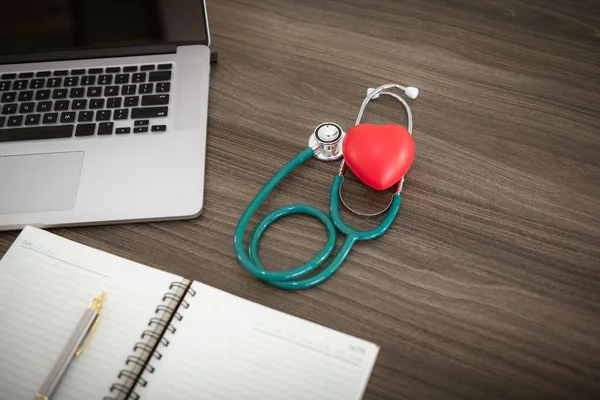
[103, 111]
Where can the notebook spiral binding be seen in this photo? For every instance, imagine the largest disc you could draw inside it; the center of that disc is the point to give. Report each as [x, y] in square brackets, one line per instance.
[151, 338]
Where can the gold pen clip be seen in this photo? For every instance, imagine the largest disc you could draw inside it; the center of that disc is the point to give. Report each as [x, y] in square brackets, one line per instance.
[96, 305]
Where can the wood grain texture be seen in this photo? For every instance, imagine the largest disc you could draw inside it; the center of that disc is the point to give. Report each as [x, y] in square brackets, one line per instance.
[488, 284]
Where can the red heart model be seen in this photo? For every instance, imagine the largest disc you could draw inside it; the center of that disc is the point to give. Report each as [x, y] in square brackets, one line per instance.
[379, 155]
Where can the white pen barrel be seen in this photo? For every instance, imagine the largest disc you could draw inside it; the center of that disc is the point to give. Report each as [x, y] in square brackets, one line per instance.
[67, 354]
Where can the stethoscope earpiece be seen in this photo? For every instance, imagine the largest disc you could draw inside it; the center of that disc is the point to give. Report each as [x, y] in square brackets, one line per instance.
[411, 92]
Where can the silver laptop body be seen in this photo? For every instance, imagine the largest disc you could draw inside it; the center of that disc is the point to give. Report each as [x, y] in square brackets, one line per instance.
[107, 133]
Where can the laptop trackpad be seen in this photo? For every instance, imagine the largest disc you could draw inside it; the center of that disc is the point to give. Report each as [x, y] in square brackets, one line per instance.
[39, 182]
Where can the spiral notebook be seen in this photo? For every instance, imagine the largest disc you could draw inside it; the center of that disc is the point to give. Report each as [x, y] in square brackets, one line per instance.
[160, 336]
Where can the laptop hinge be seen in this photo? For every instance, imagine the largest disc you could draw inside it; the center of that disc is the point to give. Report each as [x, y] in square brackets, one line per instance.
[89, 53]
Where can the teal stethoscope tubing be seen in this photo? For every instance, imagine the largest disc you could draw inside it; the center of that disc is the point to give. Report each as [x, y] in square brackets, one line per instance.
[292, 278]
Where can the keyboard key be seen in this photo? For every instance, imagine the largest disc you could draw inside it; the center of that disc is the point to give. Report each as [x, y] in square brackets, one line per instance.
[20, 85]
[36, 133]
[121, 131]
[95, 71]
[67, 117]
[85, 116]
[9, 109]
[149, 112]
[72, 81]
[165, 66]
[42, 74]
[159, 128]
[2, 121]
[32, 119]
[76, 92]
[42, 94]
[163, 87]
[61, 105]
[78, 72]
[8, 97]
[44, 106]
[26, 108]
[85, 129]
[141, 122]
[37, 83]
[59, 94]
[96, 103]
[105, 128]
[111, 91]
[9, 76]
[140, 129]
[113, 102]
[51, 118]
[9, 119]
[113, 70]
[121, 114]
[103, 115]
[62, 72]
[147, 67]
[140, 77]
[15, 120]
[54, 82]
[132, 101]
[155, 99]
[94, 91]
[105, 79]
[26, 95]
[26, 75]
[128, 89]
[159, 76]
[88, 80]
[79, 104]
[122, 78]
[4, 85]
[146, 88]
[131, 68]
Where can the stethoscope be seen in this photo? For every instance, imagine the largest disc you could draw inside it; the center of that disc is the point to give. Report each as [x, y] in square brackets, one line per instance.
[325, 143]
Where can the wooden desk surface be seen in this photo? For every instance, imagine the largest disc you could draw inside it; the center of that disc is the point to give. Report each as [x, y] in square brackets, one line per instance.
[488, 284]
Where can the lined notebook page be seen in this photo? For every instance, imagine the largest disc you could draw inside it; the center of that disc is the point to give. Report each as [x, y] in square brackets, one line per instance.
[226, 347]
[46, 283]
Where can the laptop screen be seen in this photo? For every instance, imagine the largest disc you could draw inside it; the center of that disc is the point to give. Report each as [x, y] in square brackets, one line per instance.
[32, 26]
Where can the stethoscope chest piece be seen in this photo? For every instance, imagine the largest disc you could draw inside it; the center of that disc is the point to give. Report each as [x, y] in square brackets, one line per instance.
[326, 141]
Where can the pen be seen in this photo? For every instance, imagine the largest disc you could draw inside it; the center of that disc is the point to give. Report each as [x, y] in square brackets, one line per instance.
[79, 338]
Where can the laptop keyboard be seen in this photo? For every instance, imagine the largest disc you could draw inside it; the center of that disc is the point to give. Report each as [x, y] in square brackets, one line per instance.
[84, 102]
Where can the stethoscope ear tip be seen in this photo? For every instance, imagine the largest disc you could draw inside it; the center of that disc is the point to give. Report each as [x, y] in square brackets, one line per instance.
[411, 92]
[369, 91]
